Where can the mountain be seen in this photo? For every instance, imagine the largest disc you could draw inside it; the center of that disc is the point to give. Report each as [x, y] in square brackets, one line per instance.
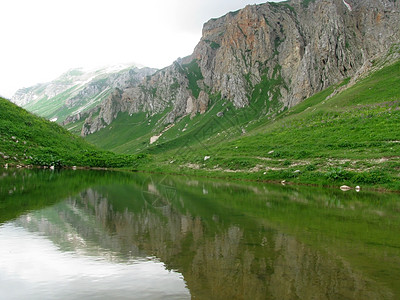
[28, 139]
[303, 91]
[78, 91]
[347, 134]
[266, 57]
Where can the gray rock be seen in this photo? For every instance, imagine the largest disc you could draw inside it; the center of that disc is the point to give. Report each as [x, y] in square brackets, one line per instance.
[285, 52]
[78, 90]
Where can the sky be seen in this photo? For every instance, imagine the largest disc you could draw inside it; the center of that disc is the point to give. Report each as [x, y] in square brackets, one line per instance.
[42, 39]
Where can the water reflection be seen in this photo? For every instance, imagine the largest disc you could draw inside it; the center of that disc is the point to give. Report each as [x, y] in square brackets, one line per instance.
[152, 237]
[34, 268]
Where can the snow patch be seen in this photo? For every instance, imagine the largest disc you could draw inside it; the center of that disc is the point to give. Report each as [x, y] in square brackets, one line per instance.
[347, 5]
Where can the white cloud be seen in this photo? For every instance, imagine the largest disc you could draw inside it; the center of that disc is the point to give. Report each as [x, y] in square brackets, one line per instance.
[42, 39]
[32, 267]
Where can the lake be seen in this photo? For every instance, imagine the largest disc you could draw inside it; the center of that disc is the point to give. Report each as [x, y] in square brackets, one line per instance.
[112, 235]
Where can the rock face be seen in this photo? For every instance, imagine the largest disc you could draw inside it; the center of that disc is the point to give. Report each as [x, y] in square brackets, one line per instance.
[281, 53]
[74, 94]
[278, 53]
[298, 50]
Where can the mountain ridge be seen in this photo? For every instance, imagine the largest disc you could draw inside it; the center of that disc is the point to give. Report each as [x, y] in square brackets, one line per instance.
[250, 67]
[276, 53]
[77, 91]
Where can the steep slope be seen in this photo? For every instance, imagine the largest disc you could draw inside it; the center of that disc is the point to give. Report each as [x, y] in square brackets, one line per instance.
[74, 94]
[269, 56]
[28, 139]
[338, 136]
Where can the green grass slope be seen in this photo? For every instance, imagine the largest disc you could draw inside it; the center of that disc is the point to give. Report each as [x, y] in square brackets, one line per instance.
[131, 134]
[350, 138]
[28, 139]
[338, 136]
[127, 133]
[55, 107]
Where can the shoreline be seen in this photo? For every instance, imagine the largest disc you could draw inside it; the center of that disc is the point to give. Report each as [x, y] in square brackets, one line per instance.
[206, 174]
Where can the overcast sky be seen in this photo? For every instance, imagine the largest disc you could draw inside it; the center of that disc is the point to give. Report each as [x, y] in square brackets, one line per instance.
[41, 39]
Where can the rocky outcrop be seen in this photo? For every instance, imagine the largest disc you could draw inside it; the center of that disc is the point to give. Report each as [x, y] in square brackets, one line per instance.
[74, 94]
[120, 80]
[278, 53]
[112, 107]
[299, 49]
[167, 88]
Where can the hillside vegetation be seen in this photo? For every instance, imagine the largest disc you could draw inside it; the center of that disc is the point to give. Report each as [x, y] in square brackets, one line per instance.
[77, 92]
[350, 138]
[28, 139]
[338, 136]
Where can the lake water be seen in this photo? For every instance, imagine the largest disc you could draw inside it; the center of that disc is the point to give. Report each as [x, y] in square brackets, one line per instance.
[111, 235]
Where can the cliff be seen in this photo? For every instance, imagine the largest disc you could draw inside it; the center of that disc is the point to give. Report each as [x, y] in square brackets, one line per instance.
[276, 53]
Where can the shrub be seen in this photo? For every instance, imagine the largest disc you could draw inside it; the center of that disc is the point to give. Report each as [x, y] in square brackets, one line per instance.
[277, 154]
[287, 163]
[373, 177]
[338, 174]
[302, 154]
[311, 167]
[47, 160]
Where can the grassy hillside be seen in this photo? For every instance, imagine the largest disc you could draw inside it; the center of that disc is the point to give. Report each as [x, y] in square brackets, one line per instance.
[27, 139]
[127, 134]
[333, 138]
[131, 133]
[75, 92]
[55, 107]
[350, 138]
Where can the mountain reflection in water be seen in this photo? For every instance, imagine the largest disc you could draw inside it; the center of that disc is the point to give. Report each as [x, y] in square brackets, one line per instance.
[161, 237]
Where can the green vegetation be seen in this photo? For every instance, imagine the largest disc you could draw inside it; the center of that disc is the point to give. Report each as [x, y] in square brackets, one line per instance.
[76, 127]
[27, 139]
[47, 108]
[213, 45]
[287, 5]
[24, 190]
[127, 133]
[351, 237]
[305, 3]
[55, 107]
[271, 85]
[353, 226]
[193, 73]
[351, 138]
